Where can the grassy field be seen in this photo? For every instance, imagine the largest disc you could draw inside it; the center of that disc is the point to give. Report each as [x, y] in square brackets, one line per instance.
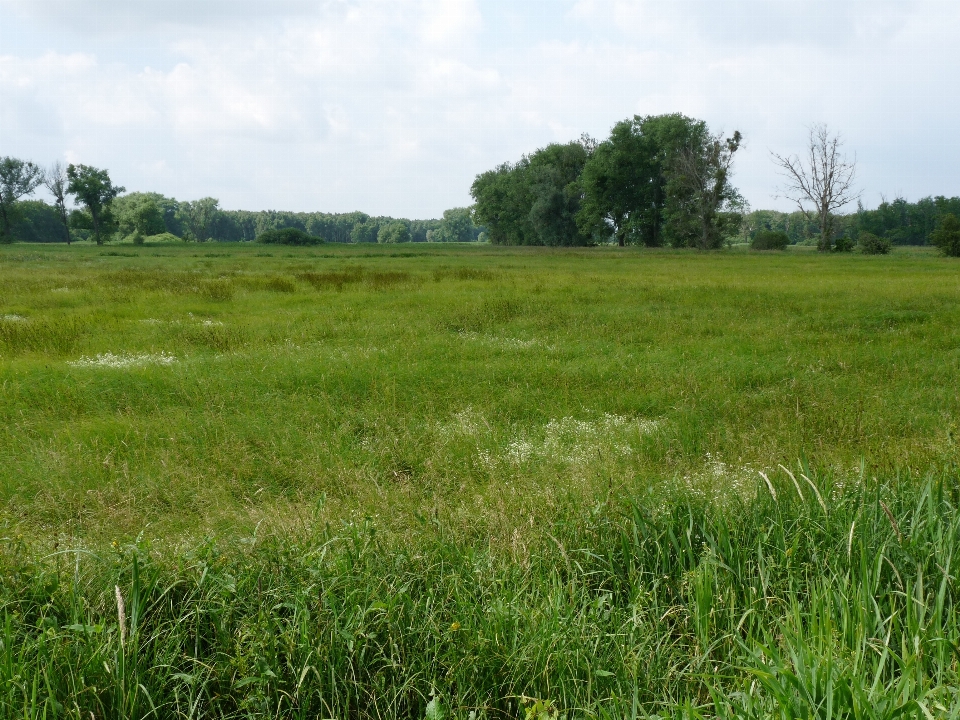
[363, 481]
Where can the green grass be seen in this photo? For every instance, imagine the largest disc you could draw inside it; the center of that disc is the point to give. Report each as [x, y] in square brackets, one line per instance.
[341, 481]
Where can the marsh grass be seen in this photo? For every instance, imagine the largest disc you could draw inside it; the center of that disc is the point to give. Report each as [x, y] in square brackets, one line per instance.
[354, 275]
[479, 480]
[218, 289]
[661, 604]
[54, 336]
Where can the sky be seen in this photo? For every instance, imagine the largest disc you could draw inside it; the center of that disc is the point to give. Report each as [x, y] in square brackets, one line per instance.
[392, 107]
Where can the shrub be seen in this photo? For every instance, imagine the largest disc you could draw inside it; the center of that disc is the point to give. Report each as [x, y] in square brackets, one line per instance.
[770, 240]
[947, 236]
[162, 238]
[843, 244]
[288, 236]
[870, 244]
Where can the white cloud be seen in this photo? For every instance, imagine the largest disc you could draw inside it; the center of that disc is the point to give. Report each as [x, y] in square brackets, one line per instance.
[392, 106]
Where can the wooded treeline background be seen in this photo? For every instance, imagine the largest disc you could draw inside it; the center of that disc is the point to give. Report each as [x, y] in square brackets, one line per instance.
[900, 221]
[152, 214]
[661, 180]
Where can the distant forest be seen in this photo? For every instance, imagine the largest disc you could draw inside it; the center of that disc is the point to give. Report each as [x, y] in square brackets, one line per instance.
[899, 221]
[151, 214]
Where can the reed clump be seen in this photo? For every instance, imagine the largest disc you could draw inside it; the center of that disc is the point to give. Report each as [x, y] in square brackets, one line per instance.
[50, 335]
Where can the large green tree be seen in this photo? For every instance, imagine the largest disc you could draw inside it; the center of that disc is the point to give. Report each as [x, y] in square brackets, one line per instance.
[396, 232]
[534, 201]
[456, 226]
[198, 217]
[947, 236]
[503, 201]
[37, 222]
[702, 207]
[625, 180]
[92, 188]
[140, 213]
[18, 178]
[556, 193]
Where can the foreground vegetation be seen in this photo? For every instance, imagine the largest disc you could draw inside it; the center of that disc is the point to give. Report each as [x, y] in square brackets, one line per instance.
[372, 482]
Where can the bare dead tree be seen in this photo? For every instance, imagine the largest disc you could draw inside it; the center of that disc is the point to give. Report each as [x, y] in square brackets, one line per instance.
[824, 181]
[56, 181]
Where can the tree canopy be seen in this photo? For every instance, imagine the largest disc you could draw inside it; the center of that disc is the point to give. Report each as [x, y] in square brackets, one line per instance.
[625, 182]
[93, 189]
[947, 236]
[536, 200]
[17, 179]
[395, 232]
[656, 179]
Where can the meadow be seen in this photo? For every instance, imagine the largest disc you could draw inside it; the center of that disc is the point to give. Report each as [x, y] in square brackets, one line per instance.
[470, 481]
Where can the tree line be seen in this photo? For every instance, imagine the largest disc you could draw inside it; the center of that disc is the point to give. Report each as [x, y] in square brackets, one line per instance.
[899, 222]
[658, 180]
[103, 214]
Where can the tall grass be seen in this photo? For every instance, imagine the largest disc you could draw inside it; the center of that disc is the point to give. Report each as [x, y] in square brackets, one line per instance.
[663, 604]
[53, 336]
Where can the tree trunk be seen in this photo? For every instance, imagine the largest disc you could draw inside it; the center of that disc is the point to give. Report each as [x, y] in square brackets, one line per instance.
[96, 226]
[826, 242]
[5, 230]
[63, 219]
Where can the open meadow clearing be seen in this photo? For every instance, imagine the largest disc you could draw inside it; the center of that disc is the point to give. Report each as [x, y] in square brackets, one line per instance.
[362, 481]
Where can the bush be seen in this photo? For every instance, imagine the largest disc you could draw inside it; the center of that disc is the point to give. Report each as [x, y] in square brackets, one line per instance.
[770, 240]
[870, 244]
[947, 236]
[288, 236]
[162, 238]
[843, 244]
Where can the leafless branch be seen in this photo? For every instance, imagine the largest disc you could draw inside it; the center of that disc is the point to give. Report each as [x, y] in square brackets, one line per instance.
[56, 181]
[824, 181]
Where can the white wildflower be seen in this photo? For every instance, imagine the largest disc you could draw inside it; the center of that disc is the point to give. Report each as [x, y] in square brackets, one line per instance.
[504, 343]
[465, 423]
[122, 361]
[578, 442]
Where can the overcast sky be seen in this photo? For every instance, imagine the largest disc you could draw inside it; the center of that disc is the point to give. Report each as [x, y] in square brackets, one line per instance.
[393, 106]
